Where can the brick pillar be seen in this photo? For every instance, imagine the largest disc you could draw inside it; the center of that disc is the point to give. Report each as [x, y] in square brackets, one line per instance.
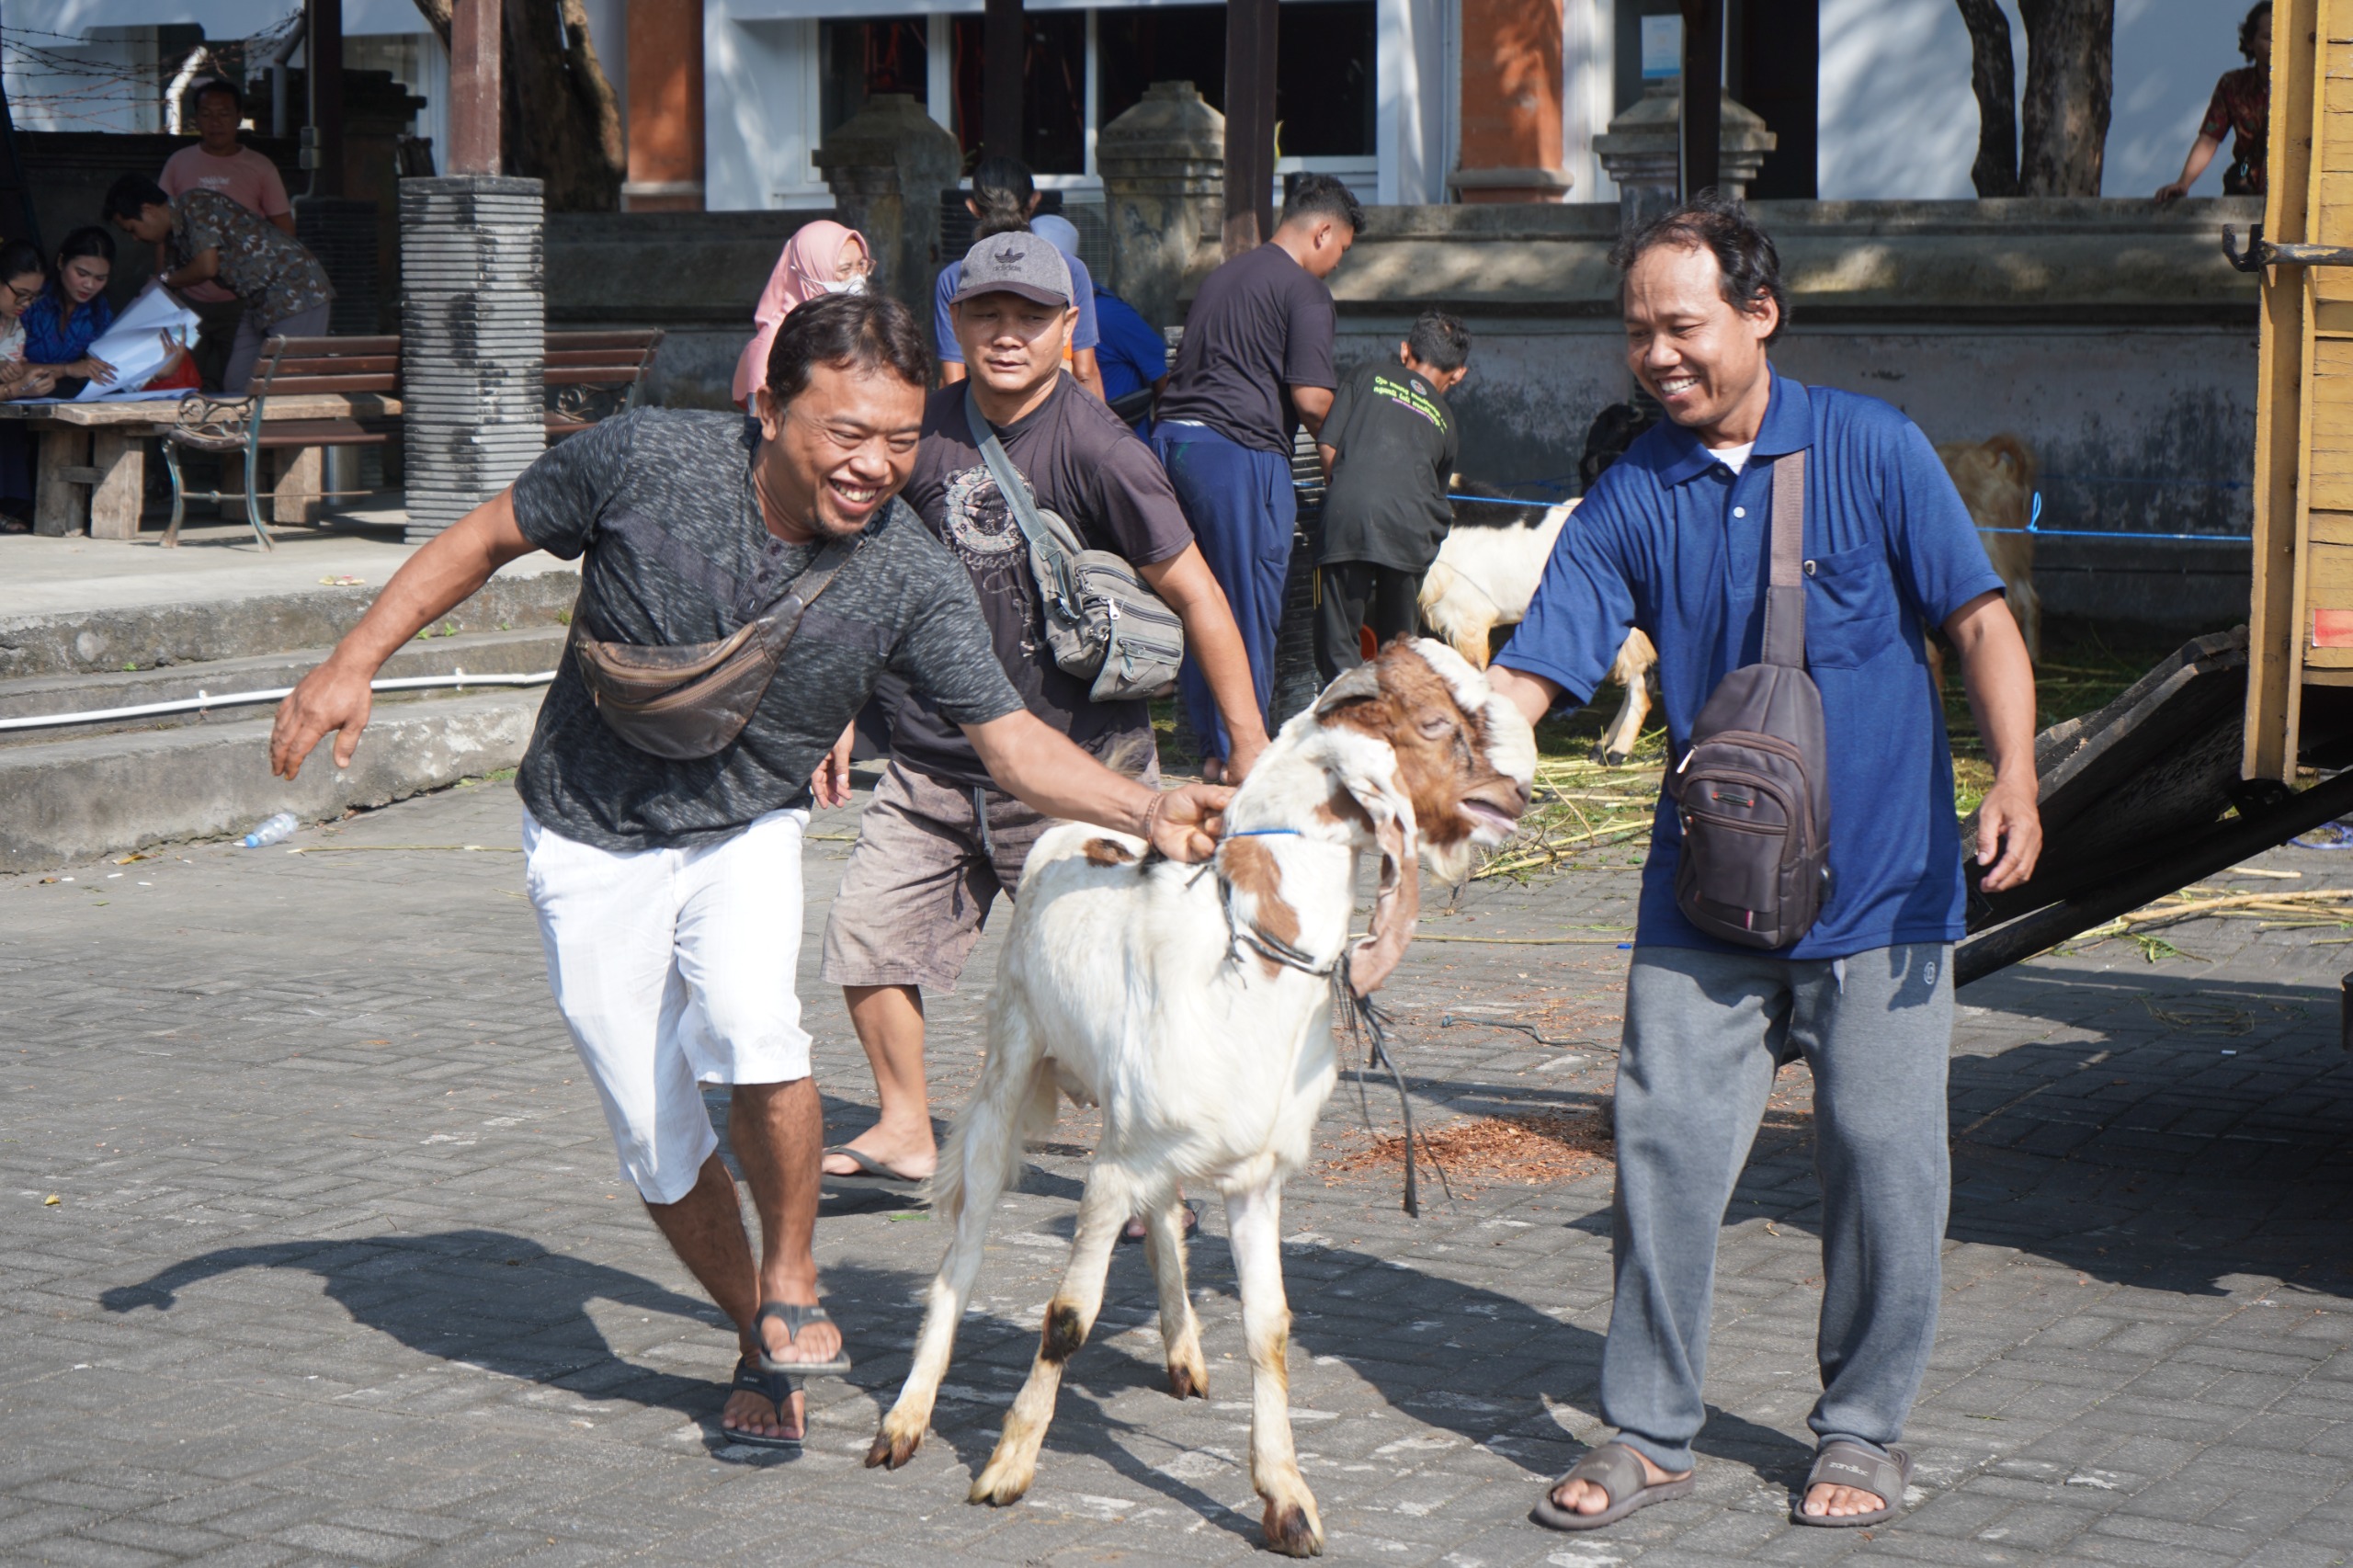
[1511, 103]
[664, 107]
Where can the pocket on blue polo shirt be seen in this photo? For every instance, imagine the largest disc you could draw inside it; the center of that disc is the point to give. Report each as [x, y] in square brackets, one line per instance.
[1851, 608]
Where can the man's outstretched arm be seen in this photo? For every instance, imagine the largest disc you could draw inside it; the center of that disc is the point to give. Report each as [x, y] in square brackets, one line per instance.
[1532, 695]
[444, 575]
[1040, 767]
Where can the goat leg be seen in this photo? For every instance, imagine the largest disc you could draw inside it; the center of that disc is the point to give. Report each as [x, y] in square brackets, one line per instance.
[983, 1150]
[1254, 1226]
[1180, 1331]
[1103, 1212]
[1634, 669]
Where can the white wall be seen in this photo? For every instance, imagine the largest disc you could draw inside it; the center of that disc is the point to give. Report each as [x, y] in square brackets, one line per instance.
[1898, 118]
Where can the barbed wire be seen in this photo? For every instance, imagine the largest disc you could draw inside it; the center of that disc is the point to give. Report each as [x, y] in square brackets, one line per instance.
[77, 86]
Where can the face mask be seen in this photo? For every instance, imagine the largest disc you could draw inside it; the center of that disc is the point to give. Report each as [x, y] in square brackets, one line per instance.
[845, 285]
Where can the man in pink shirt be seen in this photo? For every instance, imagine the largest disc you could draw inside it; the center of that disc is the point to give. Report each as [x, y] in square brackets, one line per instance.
[220, 162]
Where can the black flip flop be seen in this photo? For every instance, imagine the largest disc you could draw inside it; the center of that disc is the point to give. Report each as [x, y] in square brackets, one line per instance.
[778, 1388]
[872, 1176]
[795, 1318]
[1192, 1225]
[1617, 1470]
[1851, 1464]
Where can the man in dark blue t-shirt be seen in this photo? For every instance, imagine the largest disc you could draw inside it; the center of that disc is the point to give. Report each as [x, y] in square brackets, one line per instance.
[1673, 540]
[1255, 364]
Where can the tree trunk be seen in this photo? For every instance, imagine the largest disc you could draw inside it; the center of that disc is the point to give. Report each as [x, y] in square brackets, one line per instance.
[1993, 76]
[2069, 54]
[560, 122]
[556, 129]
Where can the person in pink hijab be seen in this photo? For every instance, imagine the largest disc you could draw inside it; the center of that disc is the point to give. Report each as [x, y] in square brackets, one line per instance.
[821, 259]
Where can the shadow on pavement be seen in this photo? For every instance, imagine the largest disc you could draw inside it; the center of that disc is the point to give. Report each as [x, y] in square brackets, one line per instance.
[485, 1298]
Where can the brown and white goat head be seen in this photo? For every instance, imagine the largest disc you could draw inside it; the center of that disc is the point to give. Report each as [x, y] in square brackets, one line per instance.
[1433, 767]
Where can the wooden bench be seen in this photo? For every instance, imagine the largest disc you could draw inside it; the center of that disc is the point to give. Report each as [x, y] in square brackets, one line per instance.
[592, 376]
[589, 376]
[293, 372]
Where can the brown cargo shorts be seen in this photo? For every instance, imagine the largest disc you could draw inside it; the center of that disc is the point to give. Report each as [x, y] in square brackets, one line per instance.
[922, 877]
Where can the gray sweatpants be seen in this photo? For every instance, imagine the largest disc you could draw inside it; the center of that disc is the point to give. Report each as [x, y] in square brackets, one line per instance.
[1705, 1032]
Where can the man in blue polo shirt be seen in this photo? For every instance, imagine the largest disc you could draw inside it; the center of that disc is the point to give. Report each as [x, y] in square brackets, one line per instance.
[1673, 540]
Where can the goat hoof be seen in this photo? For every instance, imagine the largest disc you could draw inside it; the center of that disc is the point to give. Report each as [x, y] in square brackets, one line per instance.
[1292, 1530]
[997, 1490]
[1188, 1382]
[892, 1449]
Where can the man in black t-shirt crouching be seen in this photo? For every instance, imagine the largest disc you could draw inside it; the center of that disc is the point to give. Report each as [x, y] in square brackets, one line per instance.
[668, 890]
[942, 839]
[1389, 446]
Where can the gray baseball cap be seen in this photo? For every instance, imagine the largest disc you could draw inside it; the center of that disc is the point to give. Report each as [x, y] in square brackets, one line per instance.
[1016, 263]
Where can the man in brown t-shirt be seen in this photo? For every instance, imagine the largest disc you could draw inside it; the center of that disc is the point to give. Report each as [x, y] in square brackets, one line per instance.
[940, 839]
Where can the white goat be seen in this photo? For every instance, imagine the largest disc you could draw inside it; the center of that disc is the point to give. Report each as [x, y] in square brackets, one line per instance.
[1196, 1010]
[1486, 576]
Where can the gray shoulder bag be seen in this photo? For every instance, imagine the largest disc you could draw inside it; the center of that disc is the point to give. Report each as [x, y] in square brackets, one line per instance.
[1102, 621]
[685, 701]
[1753, 792]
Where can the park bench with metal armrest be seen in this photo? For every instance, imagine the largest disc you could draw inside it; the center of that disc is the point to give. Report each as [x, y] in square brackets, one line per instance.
[592, 376]
[306, 393]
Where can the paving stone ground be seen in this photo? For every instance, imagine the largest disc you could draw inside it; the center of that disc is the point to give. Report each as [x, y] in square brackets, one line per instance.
[339, 1267]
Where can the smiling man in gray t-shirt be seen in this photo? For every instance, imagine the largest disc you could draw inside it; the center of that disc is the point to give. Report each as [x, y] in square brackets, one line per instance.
[668, 892]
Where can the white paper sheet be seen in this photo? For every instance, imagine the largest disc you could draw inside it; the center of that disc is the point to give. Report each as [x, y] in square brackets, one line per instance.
[136, 344]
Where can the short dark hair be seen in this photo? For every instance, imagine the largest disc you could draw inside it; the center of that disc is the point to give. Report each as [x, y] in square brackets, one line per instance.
[18, 257]
[90, 240]
[2261, 12]
[212, 84]
[855, 332]
[1325, 194]
[1748, 269]
[1439, 341]
[131, 196]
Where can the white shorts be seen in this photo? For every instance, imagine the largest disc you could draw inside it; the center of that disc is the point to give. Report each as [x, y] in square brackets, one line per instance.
[674, 968]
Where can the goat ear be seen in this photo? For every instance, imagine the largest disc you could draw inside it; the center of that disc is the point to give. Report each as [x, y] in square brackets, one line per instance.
[1395, 907]
[1358, 685]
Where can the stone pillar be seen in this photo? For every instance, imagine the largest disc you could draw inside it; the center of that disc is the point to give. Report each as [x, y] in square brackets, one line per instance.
[1511, 147]
[1164, 195]
[887, 165]
[666, 108]
[1642, 150]
[474, 340]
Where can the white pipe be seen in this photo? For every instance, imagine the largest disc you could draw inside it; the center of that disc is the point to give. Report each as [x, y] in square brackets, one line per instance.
[204, 701]
[174, 120]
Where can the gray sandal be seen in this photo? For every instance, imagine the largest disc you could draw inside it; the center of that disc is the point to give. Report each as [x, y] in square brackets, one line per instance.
[778, 1388]
[1617, 1470]
[795, 1318]
[1851, 1464]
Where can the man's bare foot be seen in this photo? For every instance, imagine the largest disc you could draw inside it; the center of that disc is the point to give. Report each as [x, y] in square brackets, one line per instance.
[752, 1414]
[911, 1154]
[1587, 1498]
[819, 1341]
[1212, 770]
[1839, 1502]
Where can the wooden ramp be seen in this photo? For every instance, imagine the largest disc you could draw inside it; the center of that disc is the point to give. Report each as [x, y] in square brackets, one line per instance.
[2134, 800]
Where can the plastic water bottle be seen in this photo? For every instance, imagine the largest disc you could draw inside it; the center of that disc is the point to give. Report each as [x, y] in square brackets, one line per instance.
[281, 825]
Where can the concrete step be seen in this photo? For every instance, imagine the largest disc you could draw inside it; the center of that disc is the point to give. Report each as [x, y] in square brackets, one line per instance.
[202, 630]
[523, 651]
[89, 796]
